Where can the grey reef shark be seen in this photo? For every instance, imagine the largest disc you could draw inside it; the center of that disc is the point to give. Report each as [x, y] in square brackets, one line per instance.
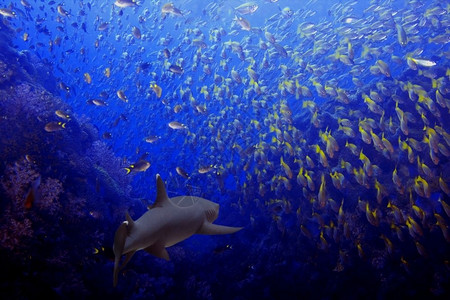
[167, 222]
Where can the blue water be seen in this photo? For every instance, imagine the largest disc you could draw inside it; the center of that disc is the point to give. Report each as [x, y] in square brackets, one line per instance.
[65, 190]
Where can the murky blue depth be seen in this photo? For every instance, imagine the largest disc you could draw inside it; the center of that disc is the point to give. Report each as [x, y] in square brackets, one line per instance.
[321, 127]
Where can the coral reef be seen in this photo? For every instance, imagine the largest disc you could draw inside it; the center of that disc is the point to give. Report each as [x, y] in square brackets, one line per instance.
[5, 72]
[16, 180]
[55, 187]
[14, 231]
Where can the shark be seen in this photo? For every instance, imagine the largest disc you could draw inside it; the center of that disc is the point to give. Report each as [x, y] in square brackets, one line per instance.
[167, 222]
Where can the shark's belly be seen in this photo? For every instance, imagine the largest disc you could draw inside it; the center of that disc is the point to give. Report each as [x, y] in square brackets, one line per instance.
[180, 229]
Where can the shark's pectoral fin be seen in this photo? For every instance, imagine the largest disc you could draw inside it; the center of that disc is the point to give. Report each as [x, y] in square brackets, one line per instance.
[158, 250]
[117, 268]
[210, 228]
[128, 256]
[119, 243]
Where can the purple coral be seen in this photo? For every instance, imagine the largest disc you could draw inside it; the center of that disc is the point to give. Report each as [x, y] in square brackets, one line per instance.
[14, 231]
[77, 206]
[16, 181]
[103, 159]
[5, 72]
[50, 191]
[37, 101]
[100, 154]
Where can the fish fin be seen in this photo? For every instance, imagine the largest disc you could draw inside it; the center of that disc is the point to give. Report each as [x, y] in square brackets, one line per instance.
[211, 229]
[161, 194]
[130, 222]
[158, 250]
[128, 257]
[119, 244]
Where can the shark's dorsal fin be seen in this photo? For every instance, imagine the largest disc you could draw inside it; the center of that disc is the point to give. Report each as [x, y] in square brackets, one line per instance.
[161, 194]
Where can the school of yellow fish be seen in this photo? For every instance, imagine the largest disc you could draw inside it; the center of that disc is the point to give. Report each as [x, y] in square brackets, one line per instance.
[336, 121]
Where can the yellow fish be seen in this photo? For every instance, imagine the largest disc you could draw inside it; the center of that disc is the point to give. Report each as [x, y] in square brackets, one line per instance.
[157, 89]
[87, 78]
[107, 72]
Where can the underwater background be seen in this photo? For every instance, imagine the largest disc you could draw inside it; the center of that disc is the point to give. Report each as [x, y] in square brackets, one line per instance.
[321, 127]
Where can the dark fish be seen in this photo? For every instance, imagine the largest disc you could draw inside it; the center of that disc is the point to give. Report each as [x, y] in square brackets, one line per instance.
[44, 30]
[64, 87]
[125, 3]
[222, 249]
[104, 95]
[152, 139]
[103, 26]
[116, 122]
[176, 69]
[182, 172]
[106, 252]
[62, 71]
[123, 117]
[62, 115]
[107, 135]
[6, 12]
[97, 102]
[246, 8]
[177, 125]
[136, 32]
[144, 65]
[140, 166]
[39, 21]
[54, 126]
[280, 49]
[170, 9]
[205, 169]
[166, 53]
